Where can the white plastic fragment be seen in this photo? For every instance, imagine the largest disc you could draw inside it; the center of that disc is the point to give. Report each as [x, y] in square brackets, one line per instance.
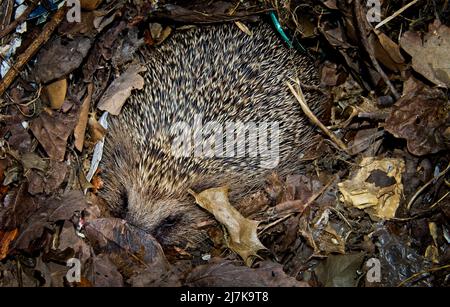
[206, 257]
[7, 51]
[22, 28]
[98, 150]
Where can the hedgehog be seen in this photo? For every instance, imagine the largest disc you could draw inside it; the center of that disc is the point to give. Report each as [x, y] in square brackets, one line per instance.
[220, 75]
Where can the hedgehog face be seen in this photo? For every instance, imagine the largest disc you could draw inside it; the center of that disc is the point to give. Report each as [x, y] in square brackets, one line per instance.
[171, 221]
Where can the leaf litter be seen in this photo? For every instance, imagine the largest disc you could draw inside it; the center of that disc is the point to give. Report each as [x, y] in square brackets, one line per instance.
[385, 198]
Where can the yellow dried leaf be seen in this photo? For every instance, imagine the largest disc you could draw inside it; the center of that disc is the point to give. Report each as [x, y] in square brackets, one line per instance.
[243, 28]
[379, 201]
[80, 128]
[56, 93]
[432, 253]
[243, 238]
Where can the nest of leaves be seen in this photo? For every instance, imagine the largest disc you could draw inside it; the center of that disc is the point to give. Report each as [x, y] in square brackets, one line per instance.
[376, 199]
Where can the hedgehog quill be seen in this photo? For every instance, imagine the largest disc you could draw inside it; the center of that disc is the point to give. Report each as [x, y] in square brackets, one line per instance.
[251, 125]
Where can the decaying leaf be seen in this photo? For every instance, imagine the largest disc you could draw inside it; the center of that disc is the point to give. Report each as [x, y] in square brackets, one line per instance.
[120, 89]
[19, 207]
[66, 206]
[387, 51]
[125, 48]
[376, 187]
[321, 234]
[58, 59]
[52, 131]
[430, 56]
[156, 275]
[420, 116]
[19, 138]
[113, 235]
[102, 272]
[340, 270]
[46, 181]
[225, 273]
[243, 236]
[31, 160]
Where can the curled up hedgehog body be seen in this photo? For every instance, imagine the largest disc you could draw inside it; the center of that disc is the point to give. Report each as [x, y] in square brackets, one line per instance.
[220, 75]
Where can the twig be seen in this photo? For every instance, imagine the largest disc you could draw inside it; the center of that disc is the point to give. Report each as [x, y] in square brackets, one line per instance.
[385, 21]
[423, 272]
[18, 20]
[32, 49]
[310, 200]
[301, 99]
[413, 199]
[281, 219]
[360, 22]
[440, 199]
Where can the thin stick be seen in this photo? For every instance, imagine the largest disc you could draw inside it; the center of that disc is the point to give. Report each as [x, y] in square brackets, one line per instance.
[23, 59]
[385, 21]
[19, 19]
[307, 204]
[440, 199]
[413, 199]
[301, 99]
[414, 276]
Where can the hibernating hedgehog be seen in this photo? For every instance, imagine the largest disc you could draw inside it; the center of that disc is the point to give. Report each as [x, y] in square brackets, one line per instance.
[210, 76]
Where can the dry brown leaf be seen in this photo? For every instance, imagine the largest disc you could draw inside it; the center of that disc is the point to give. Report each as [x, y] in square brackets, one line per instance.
[430, 56]
[31, 160]
[387, 51]
[96, 130]
[59, 57]
[243, 28]
[376, 188]
[6, 237]
[420, 116]
[120, 89]
[52, 131]
[243, 235]
[48, 181]
[56, 93]
[80, 128]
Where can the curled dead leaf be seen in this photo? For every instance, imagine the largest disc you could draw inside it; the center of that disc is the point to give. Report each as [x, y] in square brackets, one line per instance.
[120, 89]
[243, 235]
